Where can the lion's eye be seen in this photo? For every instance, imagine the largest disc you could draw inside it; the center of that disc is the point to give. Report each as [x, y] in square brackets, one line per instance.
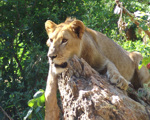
[64, 40]
[51, 40]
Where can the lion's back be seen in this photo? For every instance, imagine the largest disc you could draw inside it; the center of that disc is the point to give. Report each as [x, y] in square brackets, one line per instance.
[115, 53]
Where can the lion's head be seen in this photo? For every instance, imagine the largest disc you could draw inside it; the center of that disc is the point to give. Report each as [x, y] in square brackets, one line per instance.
[64, 41]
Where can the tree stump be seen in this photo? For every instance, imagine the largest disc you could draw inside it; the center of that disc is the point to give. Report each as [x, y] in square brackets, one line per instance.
[86, 95]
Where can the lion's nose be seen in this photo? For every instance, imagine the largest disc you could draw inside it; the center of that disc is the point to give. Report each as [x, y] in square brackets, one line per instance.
[52, 56]
[52, 53]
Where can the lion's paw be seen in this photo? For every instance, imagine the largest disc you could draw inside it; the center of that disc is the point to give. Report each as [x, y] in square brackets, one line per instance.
[119, 81]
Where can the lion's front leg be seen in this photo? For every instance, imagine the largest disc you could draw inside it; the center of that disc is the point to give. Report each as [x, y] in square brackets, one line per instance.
[115, 77]
[51, 107]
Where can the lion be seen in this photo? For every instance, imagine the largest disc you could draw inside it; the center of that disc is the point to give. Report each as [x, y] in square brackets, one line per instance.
[73, 38]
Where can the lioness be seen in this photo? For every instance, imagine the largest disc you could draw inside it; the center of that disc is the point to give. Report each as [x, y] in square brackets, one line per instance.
[73, 38]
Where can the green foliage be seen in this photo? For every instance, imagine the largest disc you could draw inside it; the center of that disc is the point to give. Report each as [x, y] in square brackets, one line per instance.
[36, 105]
[145, 61]
[100, 15]
[143, 26]
[23, 60]
[16, 92]
[139, 46]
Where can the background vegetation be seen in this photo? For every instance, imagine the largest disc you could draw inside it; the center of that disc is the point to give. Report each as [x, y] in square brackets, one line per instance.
[23, 60]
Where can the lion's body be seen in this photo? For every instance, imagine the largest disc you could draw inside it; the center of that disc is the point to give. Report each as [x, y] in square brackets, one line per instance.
[102, 46]
[73, 38]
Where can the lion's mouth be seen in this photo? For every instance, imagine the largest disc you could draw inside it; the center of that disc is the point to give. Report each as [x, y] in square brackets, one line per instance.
[63, 65]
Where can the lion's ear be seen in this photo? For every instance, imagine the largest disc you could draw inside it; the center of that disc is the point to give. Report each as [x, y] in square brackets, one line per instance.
[77, 27]
[50, 26]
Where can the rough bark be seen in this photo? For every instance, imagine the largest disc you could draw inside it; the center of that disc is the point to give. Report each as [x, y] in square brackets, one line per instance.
[86, 95]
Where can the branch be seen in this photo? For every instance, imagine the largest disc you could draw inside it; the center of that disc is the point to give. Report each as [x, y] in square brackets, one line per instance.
[5, 113]
[132, 17]
[19, 65]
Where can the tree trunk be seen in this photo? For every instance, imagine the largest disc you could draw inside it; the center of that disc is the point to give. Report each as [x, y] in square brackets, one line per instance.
[86, 95]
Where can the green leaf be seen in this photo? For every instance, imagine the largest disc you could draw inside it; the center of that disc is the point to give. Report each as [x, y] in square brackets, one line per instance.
[145, 17]
[41, 100]
[38, 99]
[38, 93]
[31, 102]
[143, 26]
[38, 109]
[145, 61]
[29, 114]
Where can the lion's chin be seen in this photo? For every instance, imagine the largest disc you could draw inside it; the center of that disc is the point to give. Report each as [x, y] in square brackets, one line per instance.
[63, 65]
[59, 68]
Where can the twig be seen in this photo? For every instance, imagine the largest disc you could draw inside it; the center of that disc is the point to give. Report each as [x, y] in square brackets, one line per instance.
[125, 11]
[5, 113]
[19, 64]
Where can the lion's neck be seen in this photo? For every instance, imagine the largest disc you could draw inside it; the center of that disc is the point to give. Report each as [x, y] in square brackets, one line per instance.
[90, 50]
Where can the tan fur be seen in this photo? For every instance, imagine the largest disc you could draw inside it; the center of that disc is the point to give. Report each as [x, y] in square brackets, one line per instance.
[73, 38]
[144, 75]
[96, 48]
[51, 107]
